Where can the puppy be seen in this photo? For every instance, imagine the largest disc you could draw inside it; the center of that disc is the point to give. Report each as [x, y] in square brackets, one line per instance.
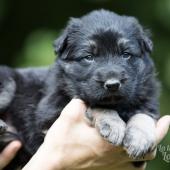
[102, 58]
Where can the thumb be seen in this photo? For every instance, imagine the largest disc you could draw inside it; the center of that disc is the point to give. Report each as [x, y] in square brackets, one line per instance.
[74, 111]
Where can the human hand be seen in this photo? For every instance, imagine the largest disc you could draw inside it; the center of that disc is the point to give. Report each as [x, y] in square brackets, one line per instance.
[72, 144]
[9, 153]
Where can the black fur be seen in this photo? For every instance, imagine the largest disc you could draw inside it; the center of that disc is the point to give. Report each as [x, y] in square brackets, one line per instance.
[92, 49]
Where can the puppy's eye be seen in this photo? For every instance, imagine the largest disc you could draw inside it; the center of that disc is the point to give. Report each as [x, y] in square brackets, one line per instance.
[126, 55]
[88, 58]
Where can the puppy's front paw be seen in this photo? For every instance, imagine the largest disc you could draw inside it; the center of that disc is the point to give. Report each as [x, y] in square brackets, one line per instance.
[112, 128]
[3, 126]
[138, 142]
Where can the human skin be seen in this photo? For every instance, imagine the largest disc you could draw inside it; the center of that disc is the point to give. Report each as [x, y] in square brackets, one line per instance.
[79, 146]
[9, 153]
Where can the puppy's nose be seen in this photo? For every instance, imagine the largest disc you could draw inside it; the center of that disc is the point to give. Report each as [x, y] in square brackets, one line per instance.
[112, 85]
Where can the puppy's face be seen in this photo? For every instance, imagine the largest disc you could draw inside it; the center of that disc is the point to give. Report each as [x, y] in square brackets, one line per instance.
[104, 58]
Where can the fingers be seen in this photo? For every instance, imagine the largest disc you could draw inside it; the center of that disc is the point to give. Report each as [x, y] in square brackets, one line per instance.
[9, 153]
[74, 111]
[161, 131]
[162, 128]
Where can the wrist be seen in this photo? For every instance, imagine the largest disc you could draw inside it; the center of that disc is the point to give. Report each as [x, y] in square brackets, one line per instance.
[45, 158]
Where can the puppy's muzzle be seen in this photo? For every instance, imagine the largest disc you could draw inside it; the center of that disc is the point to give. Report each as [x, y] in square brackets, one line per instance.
[111, 79]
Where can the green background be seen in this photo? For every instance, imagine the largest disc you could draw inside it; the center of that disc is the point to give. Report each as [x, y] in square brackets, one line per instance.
[29, 27]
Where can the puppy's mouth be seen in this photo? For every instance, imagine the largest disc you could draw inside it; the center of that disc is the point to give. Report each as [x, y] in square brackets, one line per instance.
[111, 99]
[108, 98]
[103, 98]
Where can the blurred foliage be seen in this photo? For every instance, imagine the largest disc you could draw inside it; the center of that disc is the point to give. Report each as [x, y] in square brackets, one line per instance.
[32, 53]
[28, 29]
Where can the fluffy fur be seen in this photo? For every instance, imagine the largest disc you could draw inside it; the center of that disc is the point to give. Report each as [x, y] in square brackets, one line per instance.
[104, 59]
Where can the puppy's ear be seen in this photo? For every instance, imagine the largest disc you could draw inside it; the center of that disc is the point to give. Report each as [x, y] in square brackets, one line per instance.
[62, 44]
[144, 36]
[146, 42]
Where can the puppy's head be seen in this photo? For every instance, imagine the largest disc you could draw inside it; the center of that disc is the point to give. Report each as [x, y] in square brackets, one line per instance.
[104, 57]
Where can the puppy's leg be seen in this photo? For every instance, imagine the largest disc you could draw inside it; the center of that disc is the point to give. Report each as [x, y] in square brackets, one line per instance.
[109, 124]
[49, 109]
[140, 135]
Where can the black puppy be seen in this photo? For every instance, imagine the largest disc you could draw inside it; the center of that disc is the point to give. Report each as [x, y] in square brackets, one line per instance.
[103, 59]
